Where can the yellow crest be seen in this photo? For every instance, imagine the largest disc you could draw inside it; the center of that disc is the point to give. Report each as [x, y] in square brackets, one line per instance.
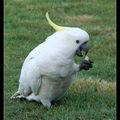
[56, 27]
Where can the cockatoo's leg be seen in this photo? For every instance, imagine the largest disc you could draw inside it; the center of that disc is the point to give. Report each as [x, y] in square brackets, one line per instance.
[37, 98]
[75, 68]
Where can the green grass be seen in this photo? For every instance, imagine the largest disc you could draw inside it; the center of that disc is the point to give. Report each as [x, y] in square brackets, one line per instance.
[93, 96]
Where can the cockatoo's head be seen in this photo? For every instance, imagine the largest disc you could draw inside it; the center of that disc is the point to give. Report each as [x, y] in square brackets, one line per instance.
[74, 39]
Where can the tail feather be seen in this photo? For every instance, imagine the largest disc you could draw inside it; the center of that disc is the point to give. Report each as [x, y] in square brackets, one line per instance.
[15, 95]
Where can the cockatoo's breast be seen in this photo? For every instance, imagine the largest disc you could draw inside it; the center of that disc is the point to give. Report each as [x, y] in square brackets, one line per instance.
[53, 89]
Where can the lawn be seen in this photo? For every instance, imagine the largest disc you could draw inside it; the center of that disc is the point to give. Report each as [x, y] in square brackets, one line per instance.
[93, 96]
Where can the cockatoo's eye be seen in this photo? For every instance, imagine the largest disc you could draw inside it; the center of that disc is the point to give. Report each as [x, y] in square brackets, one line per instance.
[77, 41]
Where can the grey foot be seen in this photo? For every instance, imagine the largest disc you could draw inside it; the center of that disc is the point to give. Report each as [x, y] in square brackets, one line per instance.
[86, 65]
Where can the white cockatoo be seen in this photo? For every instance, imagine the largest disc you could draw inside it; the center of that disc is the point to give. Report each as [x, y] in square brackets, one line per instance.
[50, 69]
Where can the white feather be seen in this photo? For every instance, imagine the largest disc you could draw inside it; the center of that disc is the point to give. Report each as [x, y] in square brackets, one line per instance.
[49, 69]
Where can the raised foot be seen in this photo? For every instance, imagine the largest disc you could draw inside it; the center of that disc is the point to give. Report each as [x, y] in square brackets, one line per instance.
[86, 65]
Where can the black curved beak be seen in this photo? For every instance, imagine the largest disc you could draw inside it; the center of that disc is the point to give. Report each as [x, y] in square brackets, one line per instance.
[83, 47]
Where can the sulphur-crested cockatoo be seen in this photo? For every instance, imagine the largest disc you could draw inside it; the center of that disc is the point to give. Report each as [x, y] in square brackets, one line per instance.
[49, 69]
